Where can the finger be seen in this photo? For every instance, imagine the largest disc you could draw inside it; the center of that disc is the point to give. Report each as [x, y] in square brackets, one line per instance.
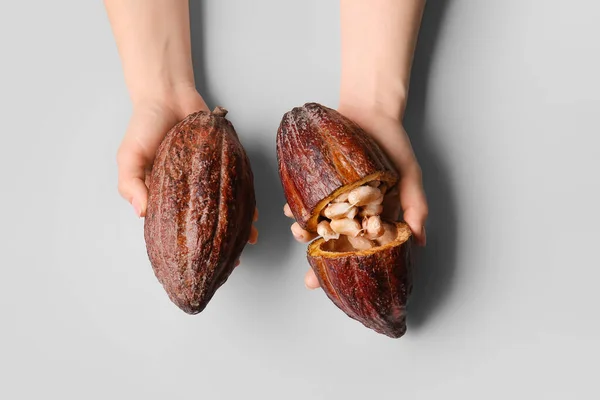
[310, 280]
[136, 192]
[144, 134]
[253, 235]
[288, 211]
[300, 234]
[255, 217]
[237, 262]
[132, 174]
[414, 205]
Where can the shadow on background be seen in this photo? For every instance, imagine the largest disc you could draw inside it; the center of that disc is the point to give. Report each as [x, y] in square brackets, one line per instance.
[436, 264]
[274, 240]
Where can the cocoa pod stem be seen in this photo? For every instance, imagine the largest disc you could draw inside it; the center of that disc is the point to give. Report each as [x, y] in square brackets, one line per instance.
[220, 111]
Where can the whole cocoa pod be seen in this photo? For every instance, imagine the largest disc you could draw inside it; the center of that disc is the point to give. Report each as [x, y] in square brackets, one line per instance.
[200, 208]
[323, 156]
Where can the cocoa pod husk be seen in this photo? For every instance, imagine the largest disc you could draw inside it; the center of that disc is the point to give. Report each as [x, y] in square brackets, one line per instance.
[371, 286]
[322, 154]
[200, 208]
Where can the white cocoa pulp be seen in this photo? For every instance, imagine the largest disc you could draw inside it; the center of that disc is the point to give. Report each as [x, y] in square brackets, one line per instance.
[352, 222]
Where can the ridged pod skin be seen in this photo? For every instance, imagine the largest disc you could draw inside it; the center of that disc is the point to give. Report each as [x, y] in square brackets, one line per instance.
[200, 208]
[322, 153]
[371, 286]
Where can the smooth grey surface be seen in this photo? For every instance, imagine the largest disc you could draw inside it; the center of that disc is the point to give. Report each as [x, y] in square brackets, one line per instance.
[504, 119]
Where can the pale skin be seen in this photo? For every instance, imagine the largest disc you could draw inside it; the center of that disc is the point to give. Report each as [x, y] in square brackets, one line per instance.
[378, 42]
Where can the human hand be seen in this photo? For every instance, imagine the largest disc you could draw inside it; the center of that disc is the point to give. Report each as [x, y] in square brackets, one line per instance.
[152, 118]
[407, 198]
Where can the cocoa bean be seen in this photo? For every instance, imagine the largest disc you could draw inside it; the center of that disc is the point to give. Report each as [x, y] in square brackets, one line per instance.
[370, 210]
[324, 230]
[360, 243]
[340, 210]
[373, 227]
[341, 198]
[389, 234]
[346, 226]
[364, 195]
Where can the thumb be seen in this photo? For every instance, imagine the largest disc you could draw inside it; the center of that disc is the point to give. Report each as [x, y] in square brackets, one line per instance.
[132, 174]
[414, 206]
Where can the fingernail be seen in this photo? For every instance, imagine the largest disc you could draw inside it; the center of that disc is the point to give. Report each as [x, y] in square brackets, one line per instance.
[136, 208]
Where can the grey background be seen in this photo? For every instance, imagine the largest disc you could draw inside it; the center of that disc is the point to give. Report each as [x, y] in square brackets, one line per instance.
[503, 115]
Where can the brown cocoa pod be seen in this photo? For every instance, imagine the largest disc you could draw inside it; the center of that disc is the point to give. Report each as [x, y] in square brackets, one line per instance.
[200, 208]
[372, 286]
[322, 154]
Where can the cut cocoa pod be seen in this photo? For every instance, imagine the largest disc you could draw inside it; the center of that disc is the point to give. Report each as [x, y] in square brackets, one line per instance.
[200, 208]
[372, 286]
[322, 154]
[327, 163]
